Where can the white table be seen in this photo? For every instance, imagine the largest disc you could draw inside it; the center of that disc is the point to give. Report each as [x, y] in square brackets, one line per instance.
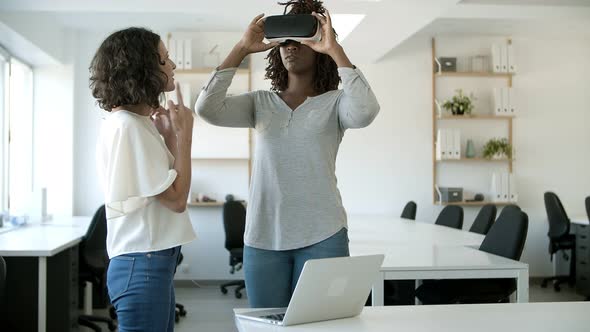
[580, 220]
[420, 251]
[43, 240]
[538, 317]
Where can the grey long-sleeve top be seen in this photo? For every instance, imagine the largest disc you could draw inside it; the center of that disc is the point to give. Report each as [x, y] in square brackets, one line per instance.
[293, 201]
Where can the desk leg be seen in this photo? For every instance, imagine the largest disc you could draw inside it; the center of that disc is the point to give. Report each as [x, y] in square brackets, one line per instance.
[378, 292]
[522, 286]
[42, 296]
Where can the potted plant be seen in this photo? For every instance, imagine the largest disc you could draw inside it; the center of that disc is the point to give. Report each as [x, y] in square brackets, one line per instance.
[497, 148]
[459, 104]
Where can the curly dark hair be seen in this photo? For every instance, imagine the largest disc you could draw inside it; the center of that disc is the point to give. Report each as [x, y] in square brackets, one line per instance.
[326, 71]
[126, 70]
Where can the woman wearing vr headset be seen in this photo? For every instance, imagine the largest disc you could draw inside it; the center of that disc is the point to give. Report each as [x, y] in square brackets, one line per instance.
[295, 211]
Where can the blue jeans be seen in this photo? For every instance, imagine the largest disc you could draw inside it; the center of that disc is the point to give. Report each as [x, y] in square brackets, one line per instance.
[271, 275]
[141, 290]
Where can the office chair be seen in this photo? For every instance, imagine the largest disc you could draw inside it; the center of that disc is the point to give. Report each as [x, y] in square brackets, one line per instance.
[179, 311]
[409, 211]
[509, 208]
[484, 219]
[93, 263]
[559, 239]
[506, 238]
[234, 223]
[2, 278]
[451, 216]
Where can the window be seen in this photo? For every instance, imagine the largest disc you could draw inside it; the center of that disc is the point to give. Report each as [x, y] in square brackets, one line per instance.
[16, 129]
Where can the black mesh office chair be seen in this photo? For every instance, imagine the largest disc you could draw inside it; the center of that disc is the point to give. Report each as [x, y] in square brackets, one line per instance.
[409, 211]
[506, 238]
[234, 223]
[484, 219]
[451, 216]
[179, 310]
[559, 239]
[93, 263]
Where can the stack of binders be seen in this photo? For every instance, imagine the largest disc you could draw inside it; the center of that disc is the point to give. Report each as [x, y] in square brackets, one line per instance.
[505, 102]
[503, 188]
[448, 144]
[503, 58]
[180, 51]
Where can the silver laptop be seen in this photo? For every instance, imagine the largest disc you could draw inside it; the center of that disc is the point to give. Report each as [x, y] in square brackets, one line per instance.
[327, 289]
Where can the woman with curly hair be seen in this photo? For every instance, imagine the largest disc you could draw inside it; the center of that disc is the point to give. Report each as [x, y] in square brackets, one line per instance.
[143, 157]
[295, 212]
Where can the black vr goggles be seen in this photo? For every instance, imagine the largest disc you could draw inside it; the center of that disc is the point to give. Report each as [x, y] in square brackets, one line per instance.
[296, 27]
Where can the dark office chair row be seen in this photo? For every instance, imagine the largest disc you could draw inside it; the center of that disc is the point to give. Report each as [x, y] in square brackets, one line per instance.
[234, 224]
[452, 216]
[506, 238]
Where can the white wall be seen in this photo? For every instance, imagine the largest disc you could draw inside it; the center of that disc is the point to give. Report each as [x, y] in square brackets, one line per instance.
[549, 135]
[383, 166]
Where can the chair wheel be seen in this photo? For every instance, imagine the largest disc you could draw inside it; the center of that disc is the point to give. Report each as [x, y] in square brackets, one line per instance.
[112, 326]
[238, 295]
[176, 318]
[223, 290]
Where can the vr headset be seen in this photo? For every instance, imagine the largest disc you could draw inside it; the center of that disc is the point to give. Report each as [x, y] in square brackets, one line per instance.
[297, 27]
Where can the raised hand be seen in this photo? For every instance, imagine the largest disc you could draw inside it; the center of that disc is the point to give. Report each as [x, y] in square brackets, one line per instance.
[328, 44]
[252, 40]
[161, 119]
[181, 116]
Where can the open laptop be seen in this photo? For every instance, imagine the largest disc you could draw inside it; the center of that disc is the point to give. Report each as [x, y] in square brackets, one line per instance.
[328, 288]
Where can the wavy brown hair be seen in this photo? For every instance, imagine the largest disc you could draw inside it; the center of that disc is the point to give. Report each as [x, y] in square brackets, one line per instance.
[126, 70]
[326, 71]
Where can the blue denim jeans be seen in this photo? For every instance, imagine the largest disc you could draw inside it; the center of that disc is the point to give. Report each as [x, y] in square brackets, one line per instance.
[141, 289]
[271, 275]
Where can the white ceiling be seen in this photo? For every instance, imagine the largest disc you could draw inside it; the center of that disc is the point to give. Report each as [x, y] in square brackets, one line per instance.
[387, 22]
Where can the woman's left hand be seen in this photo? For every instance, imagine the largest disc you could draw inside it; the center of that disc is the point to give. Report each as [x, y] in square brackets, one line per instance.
[328, 45]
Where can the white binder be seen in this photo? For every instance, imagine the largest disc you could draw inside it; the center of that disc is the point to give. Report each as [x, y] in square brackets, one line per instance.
[456, 144]
[505, 187]
[444, 144]
[505, 101]
[496, 58]
[497, 101]
[188, 54]
[179, 54]
[512, 189]
[511, 59]
[172, 50]
[439, 145]
[512, 102]
[495, 190]
[504, 58]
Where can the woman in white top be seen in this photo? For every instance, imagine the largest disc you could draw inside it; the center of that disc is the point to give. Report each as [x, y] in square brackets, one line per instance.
[143, 157]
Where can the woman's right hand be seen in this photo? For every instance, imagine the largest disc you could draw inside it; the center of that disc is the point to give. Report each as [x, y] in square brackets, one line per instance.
[252, 40]
[181, 116]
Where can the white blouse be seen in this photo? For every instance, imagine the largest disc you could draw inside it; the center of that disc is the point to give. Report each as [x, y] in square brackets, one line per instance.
[134, 165]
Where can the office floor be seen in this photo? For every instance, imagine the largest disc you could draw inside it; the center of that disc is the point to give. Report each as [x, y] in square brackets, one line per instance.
[211, 311]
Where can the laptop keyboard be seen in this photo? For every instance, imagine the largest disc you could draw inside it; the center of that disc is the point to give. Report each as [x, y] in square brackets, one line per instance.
[278, 317]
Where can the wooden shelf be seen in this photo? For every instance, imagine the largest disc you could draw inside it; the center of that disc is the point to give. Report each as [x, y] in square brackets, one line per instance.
[476, 159]
[480, 203]
[474, 74]
[475, 117]
[207, 71]
[206, 204]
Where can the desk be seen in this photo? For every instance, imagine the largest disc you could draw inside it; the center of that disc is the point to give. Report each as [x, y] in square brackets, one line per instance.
[43, 241]
[420, 251]
[581, 227]
[538, 317]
